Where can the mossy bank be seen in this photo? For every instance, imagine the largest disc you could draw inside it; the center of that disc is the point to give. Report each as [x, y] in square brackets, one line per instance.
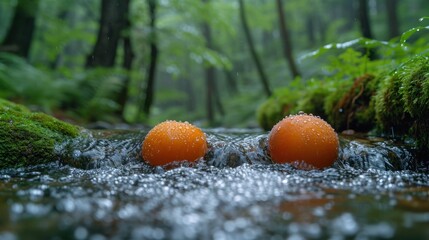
[28, 138]
[395, 103]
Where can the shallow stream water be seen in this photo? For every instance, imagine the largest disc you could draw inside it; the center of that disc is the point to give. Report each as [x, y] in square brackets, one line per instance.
[376, 190]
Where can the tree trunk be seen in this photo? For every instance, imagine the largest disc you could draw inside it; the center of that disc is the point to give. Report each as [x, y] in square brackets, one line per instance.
[112, 22]
[151, 72]
[261, 72]
[127, 65]
[20, 34]
[232, 83]
[209, 72]
[310, 29]
[210, 78]
[287, 43]
[212, 95]
[365, 25]
[392, 18]
[364, 21]
[218, 99]
[347, 13]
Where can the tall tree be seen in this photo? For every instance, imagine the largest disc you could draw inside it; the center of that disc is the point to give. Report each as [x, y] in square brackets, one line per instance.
[151, 72]
[365, 24]
[310, 27]
[344, 10]
[286, 40]
[127, 65]
[212, 93]
[210, 78]
[112, 22]
[114, 28]
[392, 17]
[20, 34]
[263, 77]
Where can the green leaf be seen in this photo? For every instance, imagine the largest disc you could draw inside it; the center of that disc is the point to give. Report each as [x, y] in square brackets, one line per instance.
[406, 35]
[363, 42]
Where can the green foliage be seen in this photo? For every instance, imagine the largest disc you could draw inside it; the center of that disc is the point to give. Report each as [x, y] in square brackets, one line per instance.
[407, 34]
[396, 100]
[54, 79]
[5, 16]
[348, 64]
[354, 107]
[28, 138]
[313, 100]
[95, 99]
[65, 33]
[415, 87]
[348, 98]
[403, 105]
[282, 103]
[390, 113]
[24, 83]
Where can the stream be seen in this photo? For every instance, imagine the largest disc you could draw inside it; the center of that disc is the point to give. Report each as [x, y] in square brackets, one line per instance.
[377, 189]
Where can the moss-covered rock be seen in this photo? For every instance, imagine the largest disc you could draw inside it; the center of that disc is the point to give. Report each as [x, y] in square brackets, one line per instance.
[28, 138]
[313, 101]
[403, 103]
[415, 87]
[281, 104]
[355, 109]
[396, 103]
[389, 106]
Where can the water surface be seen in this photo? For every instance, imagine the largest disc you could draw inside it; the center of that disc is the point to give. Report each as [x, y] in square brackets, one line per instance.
[376, 190]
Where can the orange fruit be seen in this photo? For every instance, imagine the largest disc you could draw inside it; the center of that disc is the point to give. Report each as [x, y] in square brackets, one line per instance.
[172, 141]
[304, 140]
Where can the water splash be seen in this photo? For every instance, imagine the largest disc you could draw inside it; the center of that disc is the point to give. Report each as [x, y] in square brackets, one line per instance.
[231, 148]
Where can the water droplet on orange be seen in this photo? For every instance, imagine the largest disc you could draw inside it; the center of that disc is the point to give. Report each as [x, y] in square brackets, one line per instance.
[172, 141]
[303, 138]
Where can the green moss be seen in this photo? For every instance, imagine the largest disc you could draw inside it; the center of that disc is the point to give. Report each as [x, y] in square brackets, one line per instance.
[55, 125]
[313, 101]
[28, 138]
[415, 96]
[402, 104]
[389, 105]
[415, 87]
[355, 108]
[394, 103]
[6, 105]
[331, 101]
[275, 108]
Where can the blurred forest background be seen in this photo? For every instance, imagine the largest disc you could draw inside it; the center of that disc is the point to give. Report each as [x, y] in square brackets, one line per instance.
[207, 61]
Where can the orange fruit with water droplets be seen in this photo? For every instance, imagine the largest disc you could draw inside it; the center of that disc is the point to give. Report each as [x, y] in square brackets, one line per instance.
[304, 140]
[172, 141]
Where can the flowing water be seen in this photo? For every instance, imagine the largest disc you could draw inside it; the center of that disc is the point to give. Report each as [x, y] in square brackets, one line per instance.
[376, 190]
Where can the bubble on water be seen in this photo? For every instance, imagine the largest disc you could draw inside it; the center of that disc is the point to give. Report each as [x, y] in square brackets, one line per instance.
[17, 208]
[4, 177]
[346, 224]
[76, 153]
[319, 212]
[148, 232]
[7, 236]
[378, 230]
[80, 233]
[98, 237]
